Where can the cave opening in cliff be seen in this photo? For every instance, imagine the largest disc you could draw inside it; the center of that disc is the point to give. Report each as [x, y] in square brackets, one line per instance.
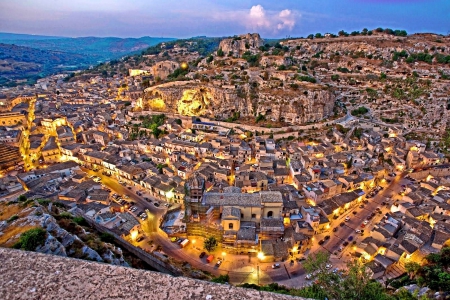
[194, 102]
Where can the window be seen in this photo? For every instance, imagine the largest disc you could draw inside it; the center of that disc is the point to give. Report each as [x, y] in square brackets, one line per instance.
[253, 216]
[242, 216]
[230, 225]
[270, 214]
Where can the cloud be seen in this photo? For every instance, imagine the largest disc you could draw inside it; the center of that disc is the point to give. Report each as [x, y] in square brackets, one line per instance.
[287, 20]
[260, 19]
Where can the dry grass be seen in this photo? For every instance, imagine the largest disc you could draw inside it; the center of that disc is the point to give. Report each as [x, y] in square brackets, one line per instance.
[11, 231]
[7, 211]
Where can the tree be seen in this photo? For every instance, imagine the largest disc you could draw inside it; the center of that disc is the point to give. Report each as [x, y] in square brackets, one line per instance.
[353, 283]
[210, 244]
[412, 268]
[316, 262]
[22, 198]
[220, 52]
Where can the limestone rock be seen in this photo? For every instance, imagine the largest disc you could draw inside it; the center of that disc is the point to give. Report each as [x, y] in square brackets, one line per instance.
[310, 103]
[52, 246]
[237, 45]
[91, 254]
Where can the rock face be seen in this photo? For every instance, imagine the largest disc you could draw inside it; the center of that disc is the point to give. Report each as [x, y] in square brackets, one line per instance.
[241, 43]
[307, 104]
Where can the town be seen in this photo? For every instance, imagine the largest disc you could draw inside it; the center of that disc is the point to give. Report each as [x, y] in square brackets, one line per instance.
[248, 160]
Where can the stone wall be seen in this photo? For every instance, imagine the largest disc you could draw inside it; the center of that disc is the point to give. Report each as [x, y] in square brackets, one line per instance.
[30, 275]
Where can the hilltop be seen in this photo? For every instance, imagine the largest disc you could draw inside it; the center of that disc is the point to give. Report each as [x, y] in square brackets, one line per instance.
[400, 78]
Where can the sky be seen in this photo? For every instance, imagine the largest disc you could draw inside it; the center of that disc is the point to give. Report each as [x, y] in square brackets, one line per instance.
[188, 18]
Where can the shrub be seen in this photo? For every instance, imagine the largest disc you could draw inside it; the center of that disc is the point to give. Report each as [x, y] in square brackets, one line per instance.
[107, 237]
[12, 219]
[31, 239]
[80, 221]
[221, 279]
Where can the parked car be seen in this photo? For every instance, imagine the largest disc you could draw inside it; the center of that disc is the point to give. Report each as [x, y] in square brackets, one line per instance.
[139, 239]
[354, 212]
[358, 231]
[341, 248]
[202, 254]
[347, 218]
[366, 222]
[308, 276]
[321, 242]
[326, 237]
[335, 229]
[218, 263]
[342, 224]
[173, 239]
[345, 243]
[156, 204]
[328, 266]
[275, 266]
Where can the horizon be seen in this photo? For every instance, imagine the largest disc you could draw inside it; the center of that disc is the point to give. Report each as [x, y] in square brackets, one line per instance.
[186, 19]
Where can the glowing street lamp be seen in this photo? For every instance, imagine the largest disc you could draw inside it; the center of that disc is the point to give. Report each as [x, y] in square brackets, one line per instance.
[223, 255]
[260, 255]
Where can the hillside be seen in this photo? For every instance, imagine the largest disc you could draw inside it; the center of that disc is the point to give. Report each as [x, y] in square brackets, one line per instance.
[401, 79]
[26, 58]
[100, 49]
[20, 64]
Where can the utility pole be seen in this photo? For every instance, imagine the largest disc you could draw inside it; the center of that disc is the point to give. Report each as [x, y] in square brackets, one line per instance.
[257, 272]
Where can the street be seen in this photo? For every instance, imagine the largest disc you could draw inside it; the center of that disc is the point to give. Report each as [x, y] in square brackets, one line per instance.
[240, 268]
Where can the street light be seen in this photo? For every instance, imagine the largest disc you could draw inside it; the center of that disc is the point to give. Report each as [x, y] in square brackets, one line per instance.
[223, 255]
[260, 255]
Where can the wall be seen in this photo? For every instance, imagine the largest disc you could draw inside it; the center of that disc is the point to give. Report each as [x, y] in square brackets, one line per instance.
[148, 258]
[30, 275]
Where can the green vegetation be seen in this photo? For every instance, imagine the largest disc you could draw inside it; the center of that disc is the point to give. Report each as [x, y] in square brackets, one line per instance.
[153, 122]
[359, 111]
[235, 117]
[210, 244]
[22, 198]
[306, 78]
[259, 118]
[396, 55]
[12, 218]
[160, 167]
[31, 239]
[335, 77]
[107, 237]
[221, 279]
[343, 70]
[178, 74]
[253, 60]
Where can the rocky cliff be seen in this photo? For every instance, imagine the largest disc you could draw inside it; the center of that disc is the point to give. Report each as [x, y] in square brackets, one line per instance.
[240, 44]
[309, 103]
[71, 241]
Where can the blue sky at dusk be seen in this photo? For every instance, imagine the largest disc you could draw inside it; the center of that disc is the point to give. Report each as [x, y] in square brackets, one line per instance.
[187, 18]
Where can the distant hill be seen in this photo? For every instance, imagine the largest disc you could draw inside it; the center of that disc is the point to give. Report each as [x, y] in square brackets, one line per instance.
[20, 64]
[24, 61]
[4, 36]
[100, 49]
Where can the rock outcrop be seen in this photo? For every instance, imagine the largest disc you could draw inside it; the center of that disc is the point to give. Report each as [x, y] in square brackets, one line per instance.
[311, 102]
[242, 43]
